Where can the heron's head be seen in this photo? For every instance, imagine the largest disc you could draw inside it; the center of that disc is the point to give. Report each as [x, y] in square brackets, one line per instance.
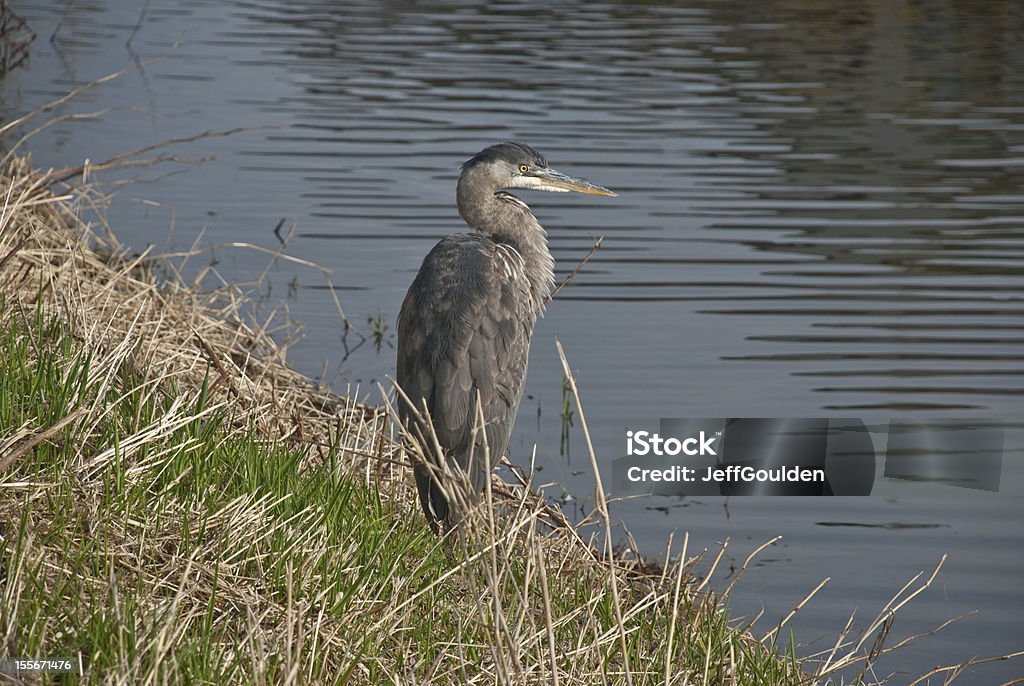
[517, 165]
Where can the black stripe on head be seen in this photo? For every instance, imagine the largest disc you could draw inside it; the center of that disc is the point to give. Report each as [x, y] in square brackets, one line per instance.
[512, 152]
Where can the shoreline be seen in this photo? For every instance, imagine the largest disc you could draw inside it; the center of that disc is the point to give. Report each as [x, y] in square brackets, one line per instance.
[255, 526]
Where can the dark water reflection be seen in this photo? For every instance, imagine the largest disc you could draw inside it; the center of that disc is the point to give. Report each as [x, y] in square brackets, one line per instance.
[821, 211]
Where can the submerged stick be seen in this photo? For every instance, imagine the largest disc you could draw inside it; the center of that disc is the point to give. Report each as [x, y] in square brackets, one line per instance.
[565, 282]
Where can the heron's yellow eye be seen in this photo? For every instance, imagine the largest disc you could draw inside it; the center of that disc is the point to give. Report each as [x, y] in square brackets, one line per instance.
[523, 169]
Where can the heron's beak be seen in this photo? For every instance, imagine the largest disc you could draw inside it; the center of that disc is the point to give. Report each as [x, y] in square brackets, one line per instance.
[551, 180]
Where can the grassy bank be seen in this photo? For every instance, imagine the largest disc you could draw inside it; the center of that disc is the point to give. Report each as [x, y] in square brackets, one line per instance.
[178, 506]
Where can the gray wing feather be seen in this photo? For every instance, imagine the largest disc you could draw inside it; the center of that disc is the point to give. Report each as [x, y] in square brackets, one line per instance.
[464, 334]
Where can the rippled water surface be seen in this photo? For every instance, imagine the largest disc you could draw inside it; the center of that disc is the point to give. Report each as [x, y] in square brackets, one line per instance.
[821, 212]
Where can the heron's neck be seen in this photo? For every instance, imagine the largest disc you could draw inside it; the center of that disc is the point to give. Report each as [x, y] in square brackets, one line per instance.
[507, 219]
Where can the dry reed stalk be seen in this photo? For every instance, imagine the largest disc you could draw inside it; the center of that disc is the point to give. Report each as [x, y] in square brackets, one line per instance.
[602, 506]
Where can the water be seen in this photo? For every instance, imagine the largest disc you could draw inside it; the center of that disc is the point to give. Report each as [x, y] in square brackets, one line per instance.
[821, 212]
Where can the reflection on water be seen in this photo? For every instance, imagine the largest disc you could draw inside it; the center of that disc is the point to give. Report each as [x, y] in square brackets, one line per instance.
[821, 211]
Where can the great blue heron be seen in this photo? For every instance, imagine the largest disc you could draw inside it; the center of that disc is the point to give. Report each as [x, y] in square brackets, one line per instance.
[465, 326]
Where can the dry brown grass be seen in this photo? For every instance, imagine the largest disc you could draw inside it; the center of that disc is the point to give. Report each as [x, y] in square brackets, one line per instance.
[50, 254]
